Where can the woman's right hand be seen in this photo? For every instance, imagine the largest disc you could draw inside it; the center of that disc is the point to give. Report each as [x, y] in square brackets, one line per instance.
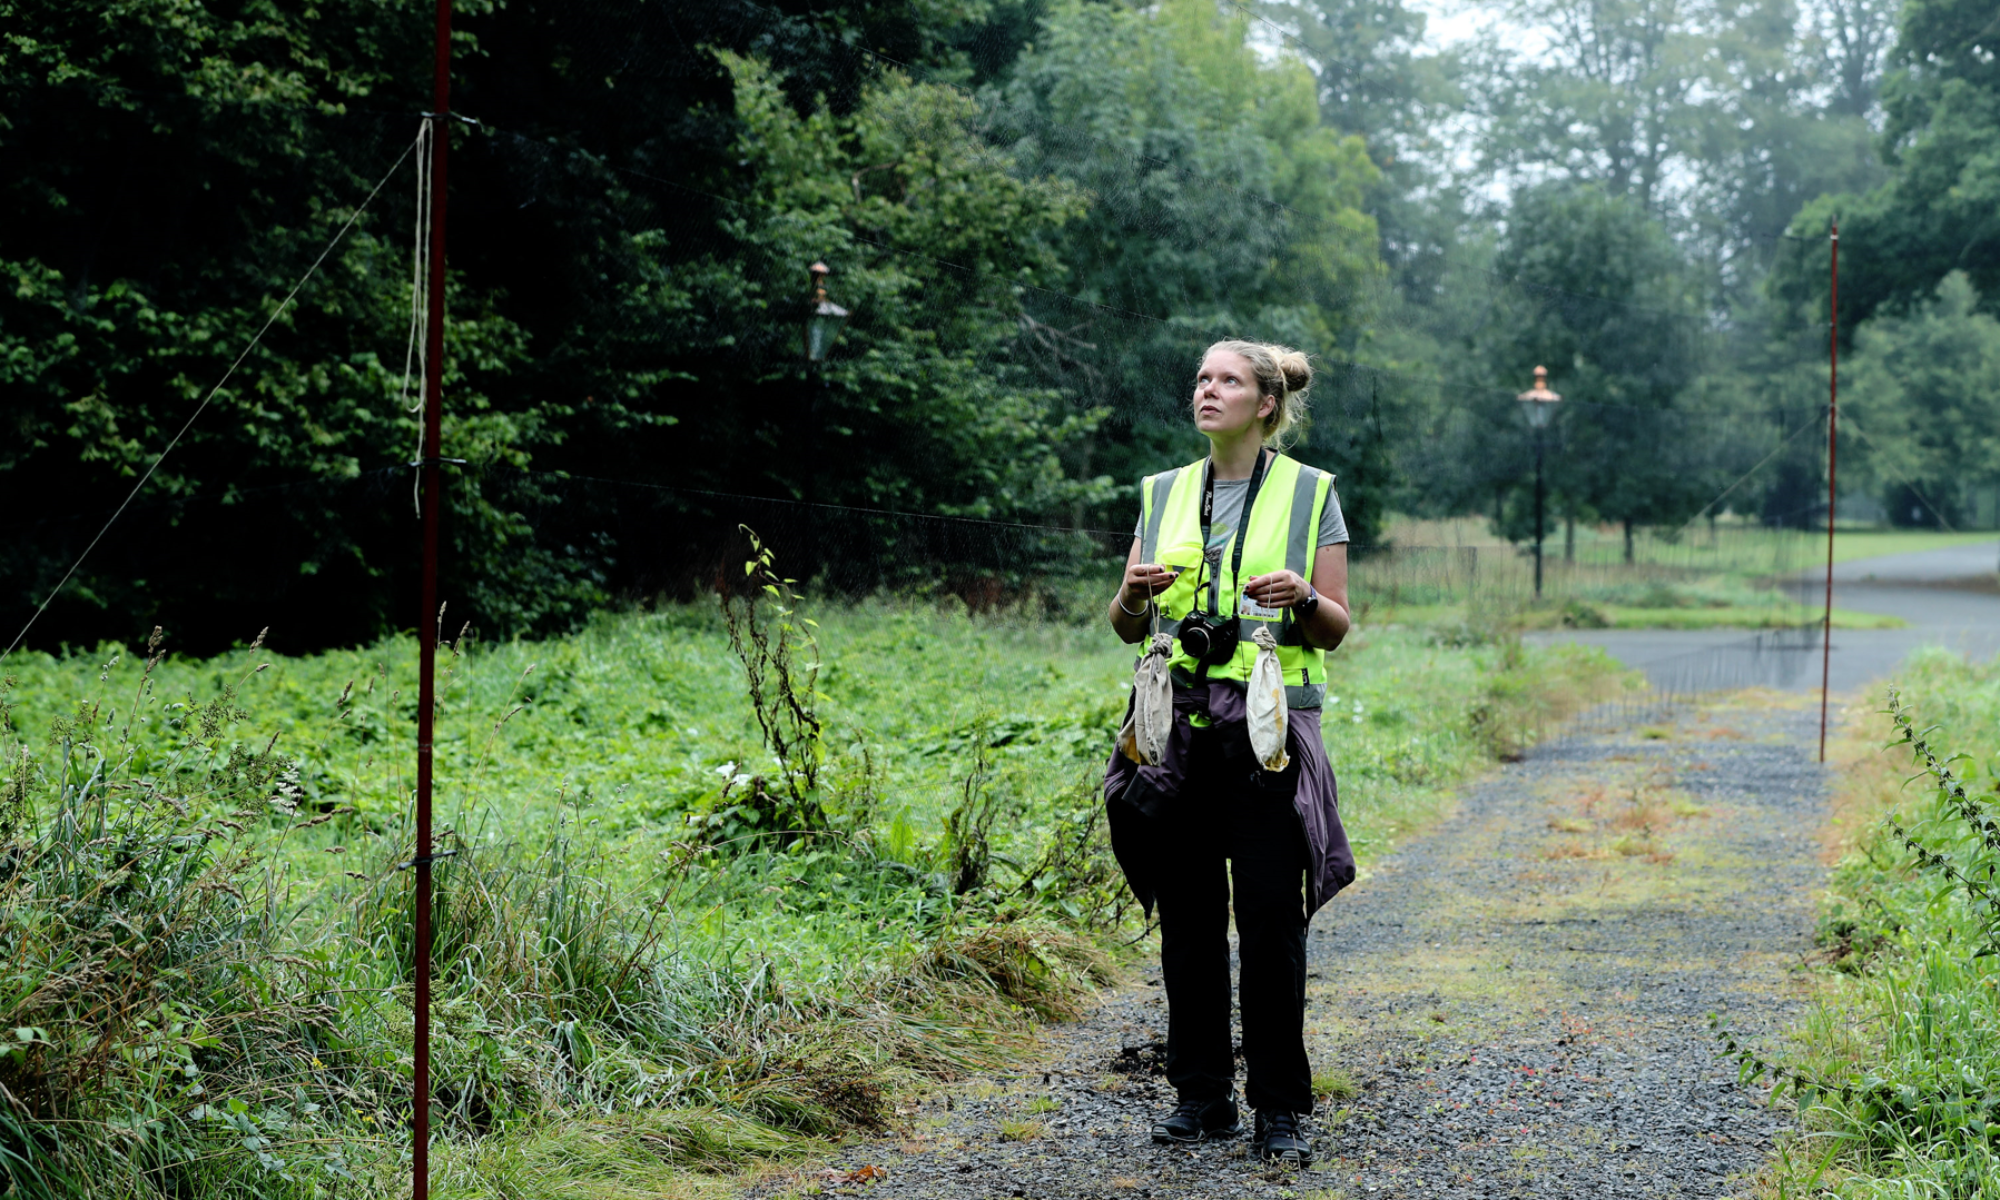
[1143, 581]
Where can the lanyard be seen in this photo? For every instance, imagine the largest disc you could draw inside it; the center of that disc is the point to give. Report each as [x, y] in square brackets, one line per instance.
[1242, 523]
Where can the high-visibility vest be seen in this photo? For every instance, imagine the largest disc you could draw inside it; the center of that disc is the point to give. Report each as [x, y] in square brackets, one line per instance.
[1277, 535]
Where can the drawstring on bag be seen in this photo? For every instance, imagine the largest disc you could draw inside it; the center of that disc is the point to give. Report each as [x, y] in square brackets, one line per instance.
[1269, 719]
[1144, 737]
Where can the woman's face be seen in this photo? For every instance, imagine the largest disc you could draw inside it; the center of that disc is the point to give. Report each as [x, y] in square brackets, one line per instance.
[1226, 398]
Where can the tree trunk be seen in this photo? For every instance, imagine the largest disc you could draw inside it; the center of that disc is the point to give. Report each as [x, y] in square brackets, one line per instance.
[1569, 539]
[1628, 542]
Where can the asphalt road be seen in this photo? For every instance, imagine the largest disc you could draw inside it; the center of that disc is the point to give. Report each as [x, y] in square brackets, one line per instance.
[1950, 597]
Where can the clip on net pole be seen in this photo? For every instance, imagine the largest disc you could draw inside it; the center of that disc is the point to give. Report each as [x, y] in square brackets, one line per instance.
[431, 460]
[1832, 454]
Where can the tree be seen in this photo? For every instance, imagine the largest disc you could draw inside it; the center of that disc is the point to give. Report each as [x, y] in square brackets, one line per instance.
[1718, 119]
[1220, 206]
[1925, 417]
[1596, 291]
[1613, 99]
[170, 171]
[627, 273]
[1940, 210]
[936, 240]
[1851, 39]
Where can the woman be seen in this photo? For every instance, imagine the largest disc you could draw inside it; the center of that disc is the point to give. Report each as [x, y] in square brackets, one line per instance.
[1246, 538]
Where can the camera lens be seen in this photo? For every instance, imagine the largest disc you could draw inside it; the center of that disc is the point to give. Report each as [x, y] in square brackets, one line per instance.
[1194, 640]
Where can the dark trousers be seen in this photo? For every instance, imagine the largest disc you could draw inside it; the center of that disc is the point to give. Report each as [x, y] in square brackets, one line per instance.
[1235, 822]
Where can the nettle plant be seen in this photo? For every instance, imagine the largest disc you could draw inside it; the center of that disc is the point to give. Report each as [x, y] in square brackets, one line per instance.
[781, 664]
[1937, 1088]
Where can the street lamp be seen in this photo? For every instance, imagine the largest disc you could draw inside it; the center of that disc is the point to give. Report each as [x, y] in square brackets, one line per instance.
[1538, 404]
[824, 319]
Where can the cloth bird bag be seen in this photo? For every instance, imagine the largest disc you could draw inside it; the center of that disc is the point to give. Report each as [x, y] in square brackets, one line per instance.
[1265, 701]
[1144, 738]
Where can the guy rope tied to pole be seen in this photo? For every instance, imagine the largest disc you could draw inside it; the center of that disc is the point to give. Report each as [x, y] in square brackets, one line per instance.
[428, 464]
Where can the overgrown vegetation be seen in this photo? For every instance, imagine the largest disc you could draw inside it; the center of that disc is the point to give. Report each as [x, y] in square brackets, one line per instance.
[644, 970]
[1896, 1068]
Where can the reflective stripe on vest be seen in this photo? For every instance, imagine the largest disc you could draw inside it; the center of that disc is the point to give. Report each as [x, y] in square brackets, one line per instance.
[1279, 535]
[1154, 504]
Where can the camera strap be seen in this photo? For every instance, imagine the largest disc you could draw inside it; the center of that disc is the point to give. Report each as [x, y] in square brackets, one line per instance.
[1242, 523]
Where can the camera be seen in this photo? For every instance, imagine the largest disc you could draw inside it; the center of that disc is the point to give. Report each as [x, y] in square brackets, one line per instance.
[1209, 641]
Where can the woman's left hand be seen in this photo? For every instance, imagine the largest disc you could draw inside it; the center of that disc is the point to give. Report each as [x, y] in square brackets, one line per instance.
[1279, 589]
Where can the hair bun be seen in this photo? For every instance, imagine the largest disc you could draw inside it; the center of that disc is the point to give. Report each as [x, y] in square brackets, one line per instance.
[1283, 373]
[1295, 367]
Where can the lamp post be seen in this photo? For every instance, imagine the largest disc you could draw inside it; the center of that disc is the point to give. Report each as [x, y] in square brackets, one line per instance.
[1538, 404]
[823, 319]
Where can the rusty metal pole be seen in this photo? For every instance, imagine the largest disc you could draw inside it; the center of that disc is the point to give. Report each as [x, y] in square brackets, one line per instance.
[1832, 459]
[430, 464]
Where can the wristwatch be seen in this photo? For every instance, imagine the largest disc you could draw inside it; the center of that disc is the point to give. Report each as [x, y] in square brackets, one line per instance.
[1308, 606]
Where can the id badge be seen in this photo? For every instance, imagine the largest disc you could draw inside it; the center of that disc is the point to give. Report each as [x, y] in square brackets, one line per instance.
[1246, 607]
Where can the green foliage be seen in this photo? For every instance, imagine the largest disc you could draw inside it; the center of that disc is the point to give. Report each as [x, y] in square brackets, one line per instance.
[1924, 406]
[781, 665]
[174, 171]
[161, 1017]
[1220, 206]
[1604, 304]
[1901, 1072]
[916, 414]
[167, 187]
[1613, 103]
[1935, 215]
[1718, 120]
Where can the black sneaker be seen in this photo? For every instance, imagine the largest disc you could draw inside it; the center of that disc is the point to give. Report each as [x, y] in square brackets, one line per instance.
[1279, 1140]
[1194, 1120]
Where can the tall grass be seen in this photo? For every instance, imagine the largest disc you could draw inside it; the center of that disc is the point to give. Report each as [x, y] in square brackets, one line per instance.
[1897, 1072]
[206, 919]
[159, 1023]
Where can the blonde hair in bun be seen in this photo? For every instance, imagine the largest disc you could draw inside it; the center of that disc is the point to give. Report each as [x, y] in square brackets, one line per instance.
[1283, 373]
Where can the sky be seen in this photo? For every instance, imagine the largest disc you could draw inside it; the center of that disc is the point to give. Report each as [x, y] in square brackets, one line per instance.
[1449, 22]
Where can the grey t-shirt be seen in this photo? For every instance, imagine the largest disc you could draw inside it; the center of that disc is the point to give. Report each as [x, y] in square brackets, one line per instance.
[1229, 495]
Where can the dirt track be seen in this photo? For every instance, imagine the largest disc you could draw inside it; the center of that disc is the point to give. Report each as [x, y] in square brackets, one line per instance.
[1519, 999]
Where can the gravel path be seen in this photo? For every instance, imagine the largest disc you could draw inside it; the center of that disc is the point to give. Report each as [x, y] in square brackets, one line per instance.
[1513, 1005]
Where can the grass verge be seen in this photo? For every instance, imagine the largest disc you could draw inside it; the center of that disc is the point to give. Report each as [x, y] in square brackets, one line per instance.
[1896, 1066]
